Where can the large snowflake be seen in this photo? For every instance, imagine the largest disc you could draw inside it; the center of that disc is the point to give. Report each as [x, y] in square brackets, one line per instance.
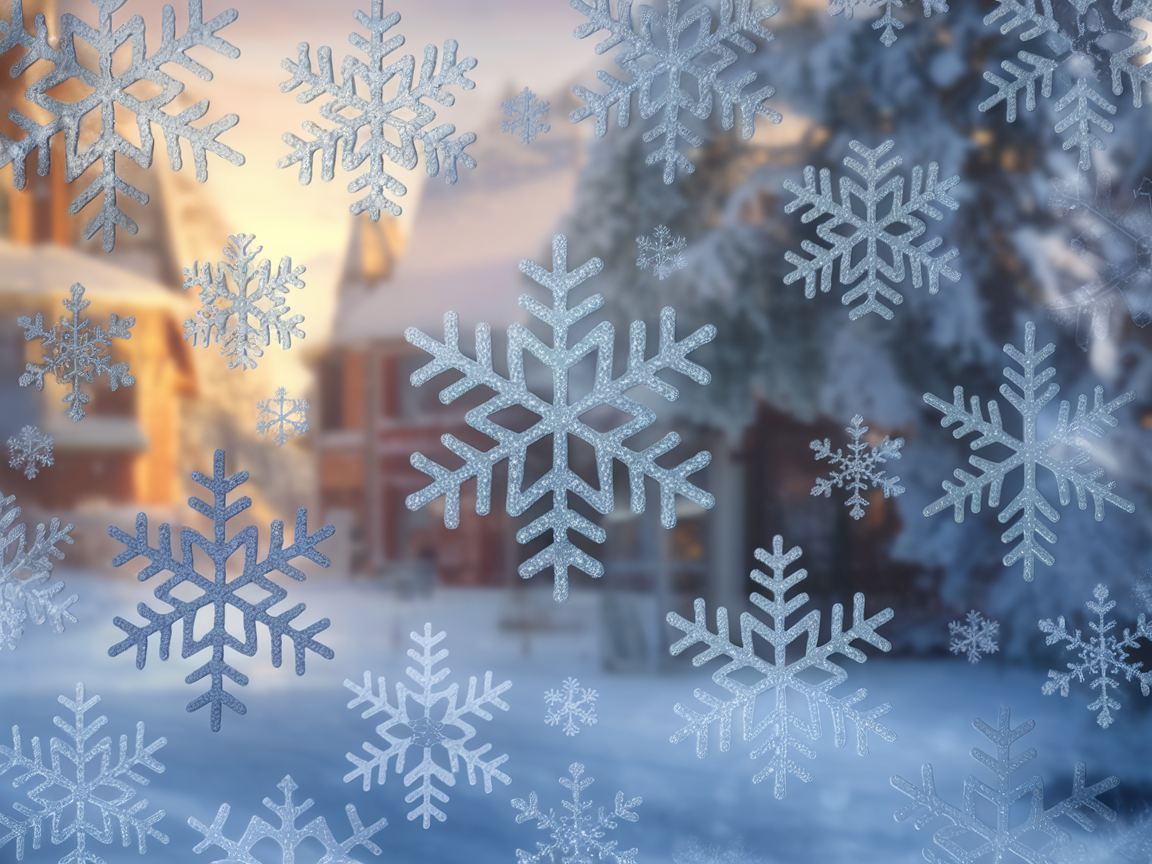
[286, 417]
[75, 352]
[674, 63]
[859, 470]
[968, 838]
[845, 230]
[889, 22]
[779, 675]
[71, 805]
[31, 450]
[403, 116]
[1061, 452]
[529, 117]
[560, 419]
[28, 598]
[141, 87]
[571, 705]
[219, 591]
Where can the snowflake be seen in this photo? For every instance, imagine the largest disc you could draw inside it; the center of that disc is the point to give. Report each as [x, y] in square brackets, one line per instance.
[653, 50]
[31, 449]
[23, 599]
[1029, 453]
[858, 469]
[576, 706]
[242, 340]
[426, 732]
[968, 838]
[871, 229]
[219, 592]
[661, 252]
[560, 419]
[1136, 842]
[528, 116]
[1100, 656]
[403, 116]
[81, 793]
[578, 837]
[976, 637]
[108, 92]
[779, 675]
[888, 21]
[278, 413]
[75, 352]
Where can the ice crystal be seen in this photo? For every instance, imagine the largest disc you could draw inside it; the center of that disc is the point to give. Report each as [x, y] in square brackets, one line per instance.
[241, 339]
[1136, 842]
[662, 252]
[857, 470]
[218, 591]
[289, 417]
[69, 804]
[974, 637]
[845, 230]
[780, 675]
[579, 836]
[968, 838]
[428, 730]
[572, 705]
[528, 116]
[403, 116]
[1061, 452]
[106, 92]
[30, 450]
[1100, 657]
[887, 21]
[560, 419]
[76, 353]
[28, 598]
[660, 54]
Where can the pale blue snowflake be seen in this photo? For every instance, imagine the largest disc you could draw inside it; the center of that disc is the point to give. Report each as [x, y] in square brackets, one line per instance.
[31, 450]
[889, 22]
[287, 417]
[662, 252]
[529, 117]
[572, 705]
[28, 598]
[858, 470]
[976, 636]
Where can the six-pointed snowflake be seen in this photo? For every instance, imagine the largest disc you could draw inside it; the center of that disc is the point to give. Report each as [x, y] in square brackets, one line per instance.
[560, 419]
[71, 805]
[779, 675]
[27, 598]
[220, 591]
[579, 836]
[1030, 452]
[871, 229]
[674, 63]
[889, 22]
[1100, 657]
[142, 88]
[974, 637]
[529, 116]
[859, 469]
[427, 730]
[30, 450]
[75, 353]
[353, 108]
[968, 837]
[662, 252]
[288, 417]
[573, 705]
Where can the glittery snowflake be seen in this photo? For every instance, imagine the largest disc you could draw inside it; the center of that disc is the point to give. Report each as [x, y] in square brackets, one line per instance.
[674, 63]
[889, 22]
[1061, 453]
[968, 837]
[242, 340]
[76, 353]
[572, 705]
[30, 450]
[662, 252]
[28, 598]
[845, 230]
[288, 417]
[578, 836]
[403, 116]
[529, 116]
[219, 591]
[560, 419]
[109, 88]
[976, 636]
[857, 470]
[427, 731]
[70, 805]
[779, 675]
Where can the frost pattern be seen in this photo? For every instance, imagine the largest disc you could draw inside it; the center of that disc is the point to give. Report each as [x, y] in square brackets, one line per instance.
[976, 636]
[23, 599]
[76, 353]
[658, 67]
[779, 675]
[887, 21]
[576, 705]
[219, 591]
[355, 108]
[560, 419]
[859, 470]
[662, 252]
[55, 794]
[577, 837]
[871, 229]
[1030, 452]
[106, 92]
[968, 838]
[1100, 657]
[529, 117]
[427, 733]
[31, 450]
[289, 417]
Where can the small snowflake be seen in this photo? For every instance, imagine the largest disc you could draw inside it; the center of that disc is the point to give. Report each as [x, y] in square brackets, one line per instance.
[976, 637]
[887, 21]
[578, 837]
[64, 801]
[1136, 842]
[858, 470]
[663, 253]
[289, 417]
[31, 449]
[576, 706]
[427, 733]
[528, 115]
[76, 353]
[287, 836]
[29, 598]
